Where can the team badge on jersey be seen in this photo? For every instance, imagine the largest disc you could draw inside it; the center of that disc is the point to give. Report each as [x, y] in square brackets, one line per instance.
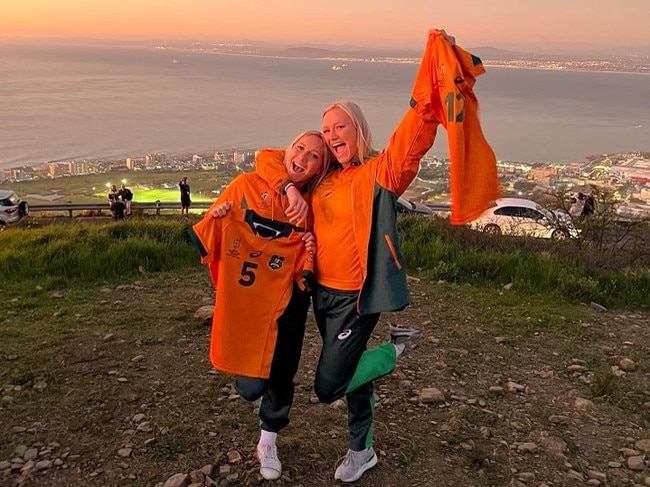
[234, 250]
[275, 262]
[266, 200]
[441, 78]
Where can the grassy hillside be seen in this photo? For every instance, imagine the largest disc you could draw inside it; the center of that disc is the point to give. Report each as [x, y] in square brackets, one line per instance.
[81, 253]
[105, 375]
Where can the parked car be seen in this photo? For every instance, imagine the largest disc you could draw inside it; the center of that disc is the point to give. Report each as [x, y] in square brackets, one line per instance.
[408, 207]
[522, 217]
[12, 208]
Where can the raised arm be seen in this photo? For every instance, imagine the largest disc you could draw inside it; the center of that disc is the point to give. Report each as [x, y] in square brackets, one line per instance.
[416, 132]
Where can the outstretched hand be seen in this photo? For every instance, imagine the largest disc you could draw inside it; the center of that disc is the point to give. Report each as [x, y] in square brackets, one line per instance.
[297, 209]
[222, 209]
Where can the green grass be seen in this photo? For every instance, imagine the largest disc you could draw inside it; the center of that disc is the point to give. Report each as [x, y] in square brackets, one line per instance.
[147, 186]
[535, 266]
[58, 255]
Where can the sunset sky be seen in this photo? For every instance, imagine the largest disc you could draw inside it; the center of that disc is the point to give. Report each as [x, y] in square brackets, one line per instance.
[377, 23]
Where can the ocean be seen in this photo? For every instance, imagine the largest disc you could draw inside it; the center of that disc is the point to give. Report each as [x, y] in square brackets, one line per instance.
[72, 102]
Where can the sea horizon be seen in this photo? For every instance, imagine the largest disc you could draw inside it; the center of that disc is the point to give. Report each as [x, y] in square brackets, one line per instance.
[76, 102]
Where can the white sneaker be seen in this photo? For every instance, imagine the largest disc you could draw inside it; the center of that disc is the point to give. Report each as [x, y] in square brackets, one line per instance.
[354, 464]
[270, 466]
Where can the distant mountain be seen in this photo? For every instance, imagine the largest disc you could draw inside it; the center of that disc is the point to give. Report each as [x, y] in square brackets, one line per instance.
[486, 53]
[318, 52]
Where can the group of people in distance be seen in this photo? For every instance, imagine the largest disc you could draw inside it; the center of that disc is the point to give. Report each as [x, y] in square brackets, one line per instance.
[317, 222]
[119, 201]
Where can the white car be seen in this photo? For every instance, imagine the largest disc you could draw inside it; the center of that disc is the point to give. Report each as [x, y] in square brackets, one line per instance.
[522, 217]
[12, 208]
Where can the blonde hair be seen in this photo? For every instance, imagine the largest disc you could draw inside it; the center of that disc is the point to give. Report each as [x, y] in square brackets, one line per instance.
[364, 137]
[327, 158]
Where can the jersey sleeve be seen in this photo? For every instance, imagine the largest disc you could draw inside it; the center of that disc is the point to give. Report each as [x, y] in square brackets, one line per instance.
[269, 165]
[206, 234]
[304, 273]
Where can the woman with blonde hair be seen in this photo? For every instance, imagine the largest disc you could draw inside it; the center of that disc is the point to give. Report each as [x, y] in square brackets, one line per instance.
[262, 269]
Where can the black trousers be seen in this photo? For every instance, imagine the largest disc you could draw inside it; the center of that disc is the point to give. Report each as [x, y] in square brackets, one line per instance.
[277, 391]
[345, 335]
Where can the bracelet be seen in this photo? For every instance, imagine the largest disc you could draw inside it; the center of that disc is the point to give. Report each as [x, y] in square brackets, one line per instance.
[285, 186]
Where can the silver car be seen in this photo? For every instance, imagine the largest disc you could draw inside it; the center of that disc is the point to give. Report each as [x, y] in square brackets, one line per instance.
[12, 208]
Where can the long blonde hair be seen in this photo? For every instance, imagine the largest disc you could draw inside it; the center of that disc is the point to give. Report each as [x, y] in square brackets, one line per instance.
[364, 137]
[327, 158]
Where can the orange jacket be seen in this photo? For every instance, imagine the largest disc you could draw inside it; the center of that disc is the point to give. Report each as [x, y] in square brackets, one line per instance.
[375, 187]
[473, 175]
[255, 255]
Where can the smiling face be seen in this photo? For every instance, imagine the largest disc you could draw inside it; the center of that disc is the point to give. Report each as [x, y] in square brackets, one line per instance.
[341, 135]
[304, 159]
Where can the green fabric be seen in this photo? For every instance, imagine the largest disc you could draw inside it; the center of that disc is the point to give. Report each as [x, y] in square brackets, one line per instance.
[372, 408]
[373, 364]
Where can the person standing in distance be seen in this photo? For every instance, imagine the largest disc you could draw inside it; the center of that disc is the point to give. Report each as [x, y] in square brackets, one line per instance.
[127, 196]
[185, 196]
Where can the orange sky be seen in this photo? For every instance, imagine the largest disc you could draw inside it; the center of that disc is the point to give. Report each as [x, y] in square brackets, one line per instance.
[381, 23]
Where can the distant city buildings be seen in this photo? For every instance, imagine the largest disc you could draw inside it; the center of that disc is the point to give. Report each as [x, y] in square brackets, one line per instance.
[626, 173]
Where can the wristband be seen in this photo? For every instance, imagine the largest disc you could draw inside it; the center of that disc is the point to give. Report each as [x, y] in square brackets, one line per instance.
[285, 186]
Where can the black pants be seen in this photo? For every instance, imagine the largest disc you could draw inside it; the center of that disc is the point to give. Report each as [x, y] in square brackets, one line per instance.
[278, 390]
[117, 209]
[345, 335]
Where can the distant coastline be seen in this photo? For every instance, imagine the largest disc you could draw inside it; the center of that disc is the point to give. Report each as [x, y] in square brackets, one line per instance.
[490, 56]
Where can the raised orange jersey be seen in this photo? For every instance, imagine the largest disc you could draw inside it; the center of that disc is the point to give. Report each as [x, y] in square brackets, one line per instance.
[452, 73]
[255, 255]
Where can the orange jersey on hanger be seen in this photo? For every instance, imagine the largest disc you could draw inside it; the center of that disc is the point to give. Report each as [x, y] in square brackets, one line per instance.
[255, 255]
[452, 72]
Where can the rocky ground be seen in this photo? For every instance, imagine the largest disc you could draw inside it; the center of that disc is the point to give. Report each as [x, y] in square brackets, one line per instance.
[112, 387]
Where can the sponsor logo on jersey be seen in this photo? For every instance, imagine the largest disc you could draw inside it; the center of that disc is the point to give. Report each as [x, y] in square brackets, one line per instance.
[344, 334]
[441, 78]
[275, 262]
[253, 255]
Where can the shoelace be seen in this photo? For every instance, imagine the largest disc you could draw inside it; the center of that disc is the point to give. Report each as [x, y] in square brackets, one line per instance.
[352, 458]
[269, 452]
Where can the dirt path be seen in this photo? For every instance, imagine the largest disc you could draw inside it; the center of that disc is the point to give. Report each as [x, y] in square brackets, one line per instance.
[112, 387]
